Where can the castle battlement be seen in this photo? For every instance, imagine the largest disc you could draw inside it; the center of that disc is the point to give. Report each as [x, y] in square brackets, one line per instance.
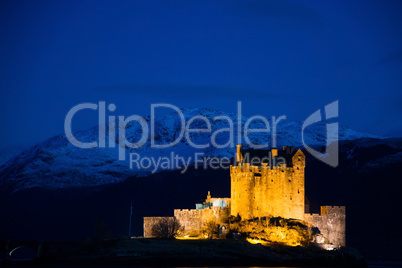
[247, 168]
[339, 210]
[311, 214]
[186, 211]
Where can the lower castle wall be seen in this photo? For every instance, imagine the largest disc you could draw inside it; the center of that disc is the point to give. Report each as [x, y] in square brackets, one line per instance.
[192, 221]
[149, 222]
[331, 223]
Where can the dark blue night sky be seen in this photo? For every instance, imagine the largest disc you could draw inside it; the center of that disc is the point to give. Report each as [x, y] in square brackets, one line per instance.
[277, 57]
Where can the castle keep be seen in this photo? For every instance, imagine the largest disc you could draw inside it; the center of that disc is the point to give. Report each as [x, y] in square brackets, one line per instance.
[264, 184]
[268, 190]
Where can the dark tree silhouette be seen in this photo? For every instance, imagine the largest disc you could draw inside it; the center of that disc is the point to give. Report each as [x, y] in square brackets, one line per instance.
[211, 228]
[166, 228]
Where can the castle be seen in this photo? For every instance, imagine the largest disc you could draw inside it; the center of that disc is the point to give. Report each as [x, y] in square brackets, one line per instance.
[263, 184]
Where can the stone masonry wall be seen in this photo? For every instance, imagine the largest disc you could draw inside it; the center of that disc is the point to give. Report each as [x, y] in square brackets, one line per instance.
[192, 220]
[331, 223]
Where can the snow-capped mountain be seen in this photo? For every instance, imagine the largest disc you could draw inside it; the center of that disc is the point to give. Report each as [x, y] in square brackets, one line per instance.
[56, 163]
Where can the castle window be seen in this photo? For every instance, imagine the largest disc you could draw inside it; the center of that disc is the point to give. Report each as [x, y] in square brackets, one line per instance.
[297, 168]
[299, 158]
[290, 181]
[272, 180]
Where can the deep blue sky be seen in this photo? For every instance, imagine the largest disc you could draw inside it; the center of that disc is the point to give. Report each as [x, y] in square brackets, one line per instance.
[278, 57]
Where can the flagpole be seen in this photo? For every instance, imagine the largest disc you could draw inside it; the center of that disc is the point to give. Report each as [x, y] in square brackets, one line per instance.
[131, 214]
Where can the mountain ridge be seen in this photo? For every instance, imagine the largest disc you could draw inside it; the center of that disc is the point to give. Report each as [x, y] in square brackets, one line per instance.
[56, 163]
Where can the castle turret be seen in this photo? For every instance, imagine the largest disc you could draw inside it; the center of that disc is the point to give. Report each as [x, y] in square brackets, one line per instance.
[274, 153]
[208, 200]
[239, 156]
[299, 163]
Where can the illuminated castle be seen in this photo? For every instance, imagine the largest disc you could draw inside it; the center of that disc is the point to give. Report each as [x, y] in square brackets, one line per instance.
[264, 184]
[269, 189]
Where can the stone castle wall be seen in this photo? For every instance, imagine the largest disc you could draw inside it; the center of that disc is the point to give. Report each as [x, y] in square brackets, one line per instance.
[258, 191]
[193, 220]
[331, 222]
[149, 222]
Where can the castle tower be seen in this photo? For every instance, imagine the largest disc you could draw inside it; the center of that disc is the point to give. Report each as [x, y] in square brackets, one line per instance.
[274, 189]
[208, 200]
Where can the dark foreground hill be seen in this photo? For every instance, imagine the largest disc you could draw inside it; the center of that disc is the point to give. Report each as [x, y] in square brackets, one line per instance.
[196, 253]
